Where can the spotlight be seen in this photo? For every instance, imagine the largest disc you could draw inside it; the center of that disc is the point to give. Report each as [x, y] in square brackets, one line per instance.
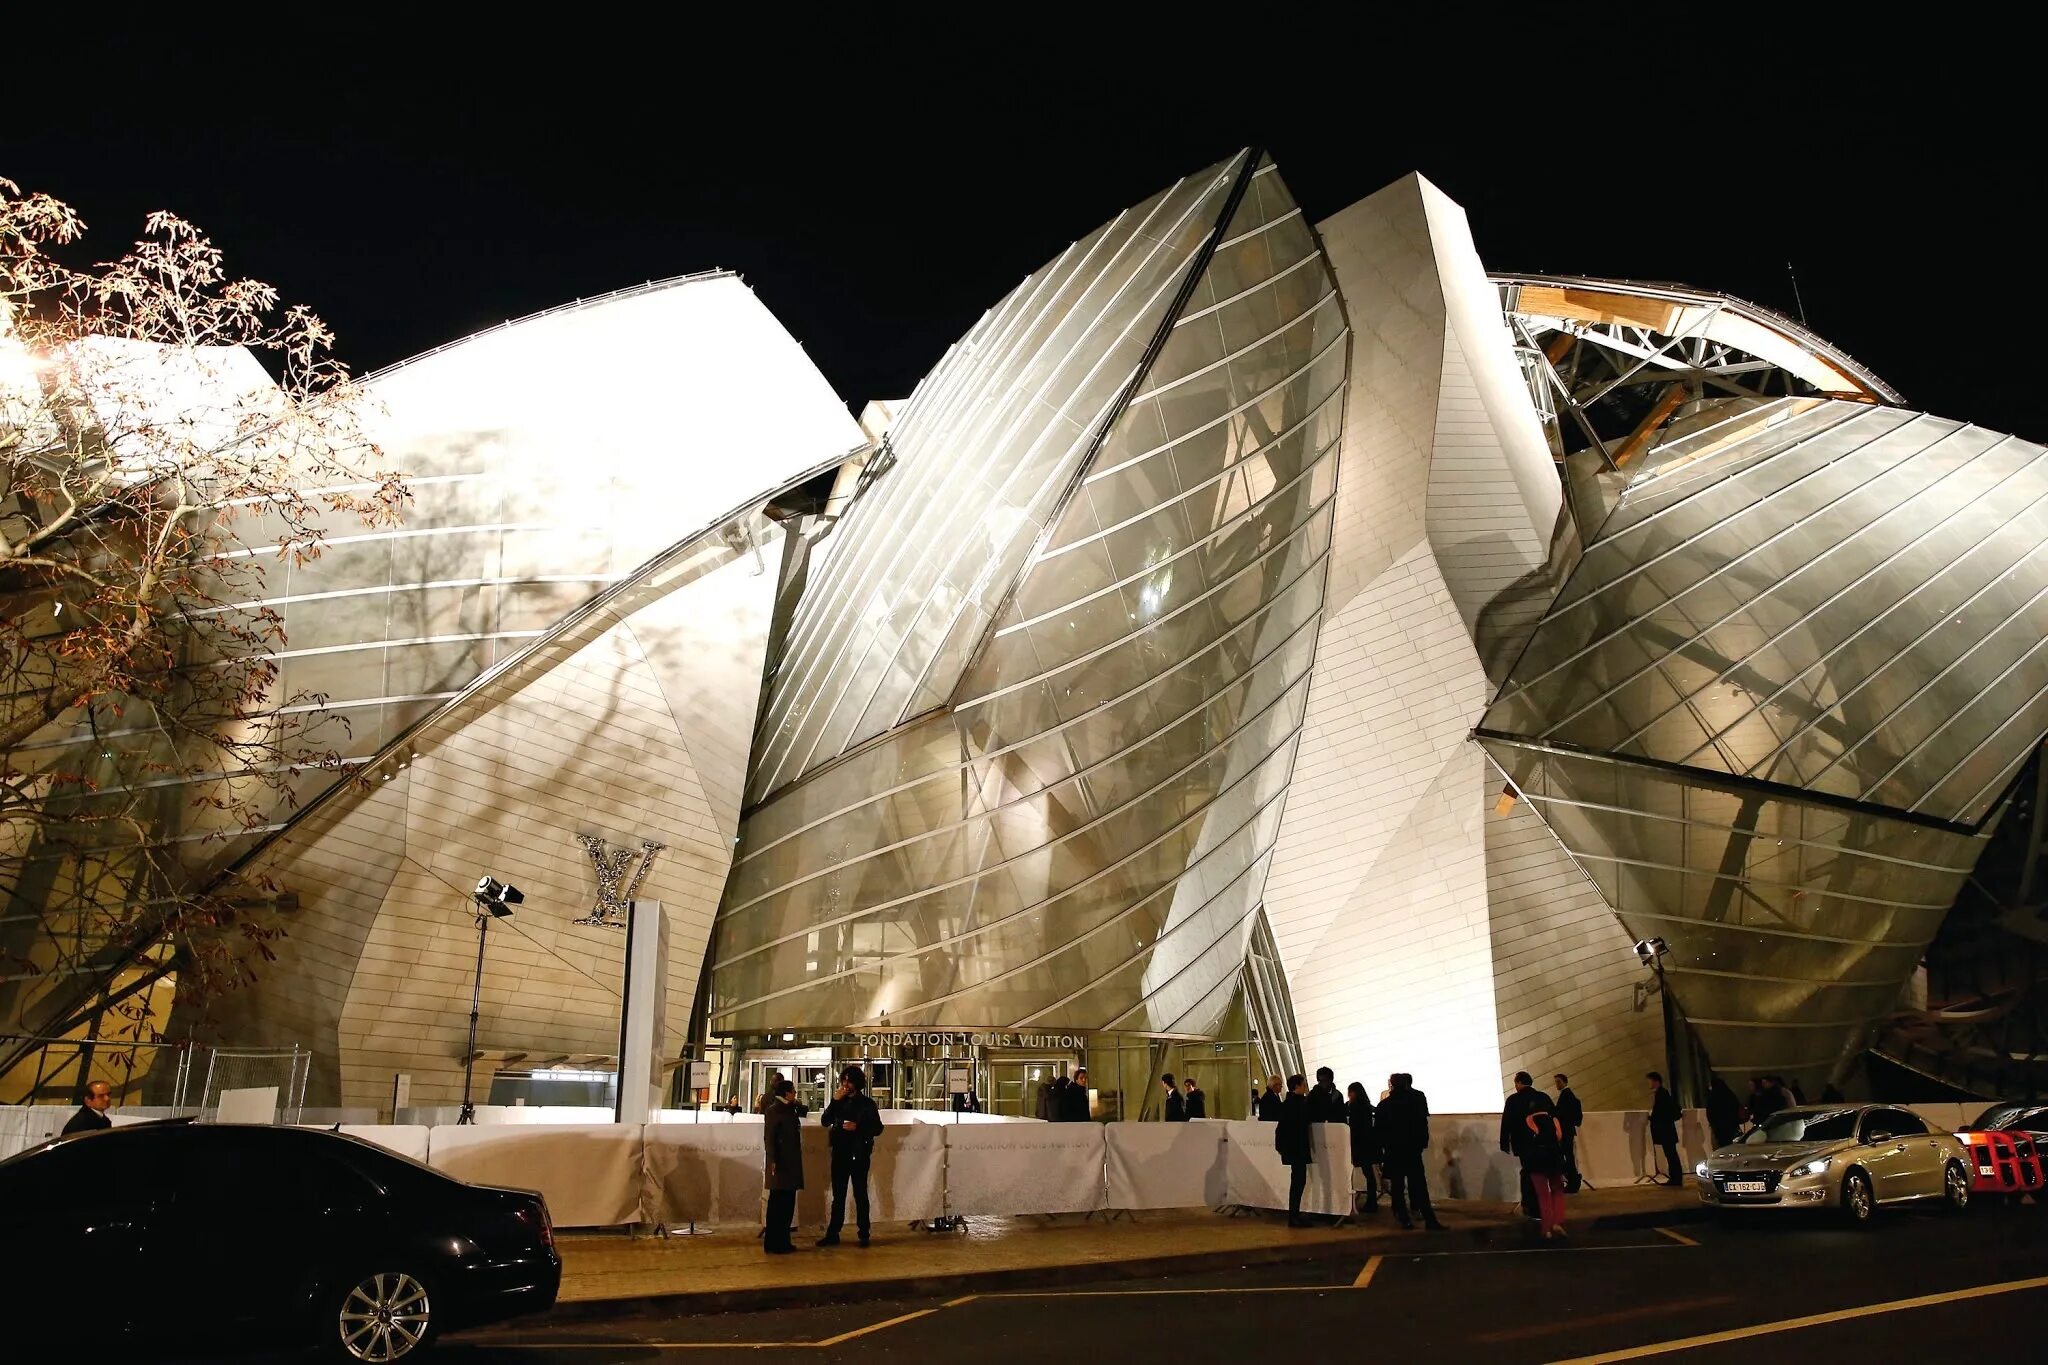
[497, 897]
[1650, 950]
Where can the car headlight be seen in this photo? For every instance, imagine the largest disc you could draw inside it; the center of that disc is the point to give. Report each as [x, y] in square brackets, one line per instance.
[1817, 1167]
[1700, 1170]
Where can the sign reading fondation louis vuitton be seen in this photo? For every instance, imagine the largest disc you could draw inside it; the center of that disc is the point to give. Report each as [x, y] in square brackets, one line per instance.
[879, 1038]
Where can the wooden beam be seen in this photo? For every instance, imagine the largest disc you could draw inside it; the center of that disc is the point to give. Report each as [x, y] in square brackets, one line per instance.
[1639, 439]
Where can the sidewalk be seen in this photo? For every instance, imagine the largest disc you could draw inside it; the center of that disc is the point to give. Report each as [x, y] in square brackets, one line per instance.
[726, 1271]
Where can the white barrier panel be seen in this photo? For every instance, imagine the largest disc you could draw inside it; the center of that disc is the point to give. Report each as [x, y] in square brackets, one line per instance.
[590, 1174]
[445, 1115]
[702, 1173]
[1464, 1160]
[23, 1126]
[943, 1116]
[1167, 1165]
[1613, 1149]
[1256, 1178]
[909, 1179]
[405, 1139]
[713, 1175]
[1008, 1168]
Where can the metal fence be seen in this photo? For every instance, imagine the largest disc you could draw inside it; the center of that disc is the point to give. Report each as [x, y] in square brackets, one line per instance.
[185, 1078]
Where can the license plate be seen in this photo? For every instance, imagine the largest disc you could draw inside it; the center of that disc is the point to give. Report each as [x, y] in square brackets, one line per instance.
[1745, 1187]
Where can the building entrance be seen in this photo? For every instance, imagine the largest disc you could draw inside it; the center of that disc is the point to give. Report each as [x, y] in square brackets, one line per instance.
[1015, 1084]
[810, 1068]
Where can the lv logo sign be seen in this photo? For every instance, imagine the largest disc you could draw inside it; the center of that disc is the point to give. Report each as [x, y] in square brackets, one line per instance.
[615, 886]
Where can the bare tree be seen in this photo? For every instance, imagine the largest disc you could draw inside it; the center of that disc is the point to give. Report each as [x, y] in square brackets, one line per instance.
[168, 436]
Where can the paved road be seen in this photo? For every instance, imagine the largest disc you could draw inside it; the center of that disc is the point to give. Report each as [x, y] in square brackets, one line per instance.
[1606, 1293]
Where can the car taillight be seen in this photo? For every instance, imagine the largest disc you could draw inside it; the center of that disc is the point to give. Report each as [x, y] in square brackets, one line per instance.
[536, 1213]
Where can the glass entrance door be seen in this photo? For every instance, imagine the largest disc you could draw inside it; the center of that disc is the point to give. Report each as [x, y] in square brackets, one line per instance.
[1016, 1083]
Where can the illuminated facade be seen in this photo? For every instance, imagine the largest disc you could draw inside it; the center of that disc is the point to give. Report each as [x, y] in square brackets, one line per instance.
[1286, 640]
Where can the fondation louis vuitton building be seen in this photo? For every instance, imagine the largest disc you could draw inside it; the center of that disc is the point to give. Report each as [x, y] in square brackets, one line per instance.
[1256, 644]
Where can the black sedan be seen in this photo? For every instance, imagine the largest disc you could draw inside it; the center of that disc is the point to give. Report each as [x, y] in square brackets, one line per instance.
[214, 1237]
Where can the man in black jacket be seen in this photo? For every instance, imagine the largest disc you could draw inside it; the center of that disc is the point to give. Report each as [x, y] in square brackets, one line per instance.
[852, 1123]
[1074, 1103]
[1197, 1106]
[1402, 1126]
[1325, 1102]
[782, 1172]
[1514, 1131]
[1571, 1116]
[1296, 1145]
[1270, 1103]
[1724, 1112]
[92, 1115]
[1664, 1126]
[1176, 1107]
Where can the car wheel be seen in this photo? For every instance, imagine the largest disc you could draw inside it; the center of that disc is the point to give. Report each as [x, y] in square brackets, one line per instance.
[379, 1317]
[1858, 1201]
[1955, 1187]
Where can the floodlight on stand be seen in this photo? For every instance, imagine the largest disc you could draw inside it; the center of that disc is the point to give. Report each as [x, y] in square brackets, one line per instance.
[494, 900]
[1650, 950]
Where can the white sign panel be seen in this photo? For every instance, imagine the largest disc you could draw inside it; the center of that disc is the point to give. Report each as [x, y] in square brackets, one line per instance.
[257, 1104]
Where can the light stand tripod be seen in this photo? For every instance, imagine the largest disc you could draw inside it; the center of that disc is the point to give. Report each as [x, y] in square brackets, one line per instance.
[476, 995]
[494, 900]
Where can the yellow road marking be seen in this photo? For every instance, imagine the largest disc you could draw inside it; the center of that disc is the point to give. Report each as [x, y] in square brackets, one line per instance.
[876, 1327]
[1524, 1331]
[1815, 1320]
[1365, 1275]
[1154, 1293]
[841, 1338]
[1678, 1237]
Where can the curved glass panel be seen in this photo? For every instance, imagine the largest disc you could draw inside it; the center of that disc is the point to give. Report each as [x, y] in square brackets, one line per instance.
[1079, 832]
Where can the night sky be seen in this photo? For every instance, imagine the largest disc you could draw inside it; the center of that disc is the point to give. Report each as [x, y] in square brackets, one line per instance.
[881, 182]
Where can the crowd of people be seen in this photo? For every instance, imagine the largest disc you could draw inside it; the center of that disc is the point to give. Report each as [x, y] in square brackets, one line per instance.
[1385, 1141]
[1065, 1099]
[1727, 1114]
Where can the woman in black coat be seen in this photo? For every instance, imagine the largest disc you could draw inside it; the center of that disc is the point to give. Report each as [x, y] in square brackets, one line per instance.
[1291, 1138]
[1365, 1146]
[1542, 1151]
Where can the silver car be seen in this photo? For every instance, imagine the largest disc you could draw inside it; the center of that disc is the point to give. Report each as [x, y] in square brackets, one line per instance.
[1848, 1157]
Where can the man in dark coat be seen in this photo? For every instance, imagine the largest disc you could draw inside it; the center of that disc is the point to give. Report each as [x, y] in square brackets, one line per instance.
[782, 1145]
[1325, 1102]
[1724, 1112]
[92, 1115]
[852, 1123]
[1402, 1126]
[1197, 1103]
[1052, 1100]
[1764, 1101]
[1074, 1101]
[1291, 1138]
[1571, 1116]
[1176, 1107]
[1271, 1102]
[1514, 1131]
[1664, 1126]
